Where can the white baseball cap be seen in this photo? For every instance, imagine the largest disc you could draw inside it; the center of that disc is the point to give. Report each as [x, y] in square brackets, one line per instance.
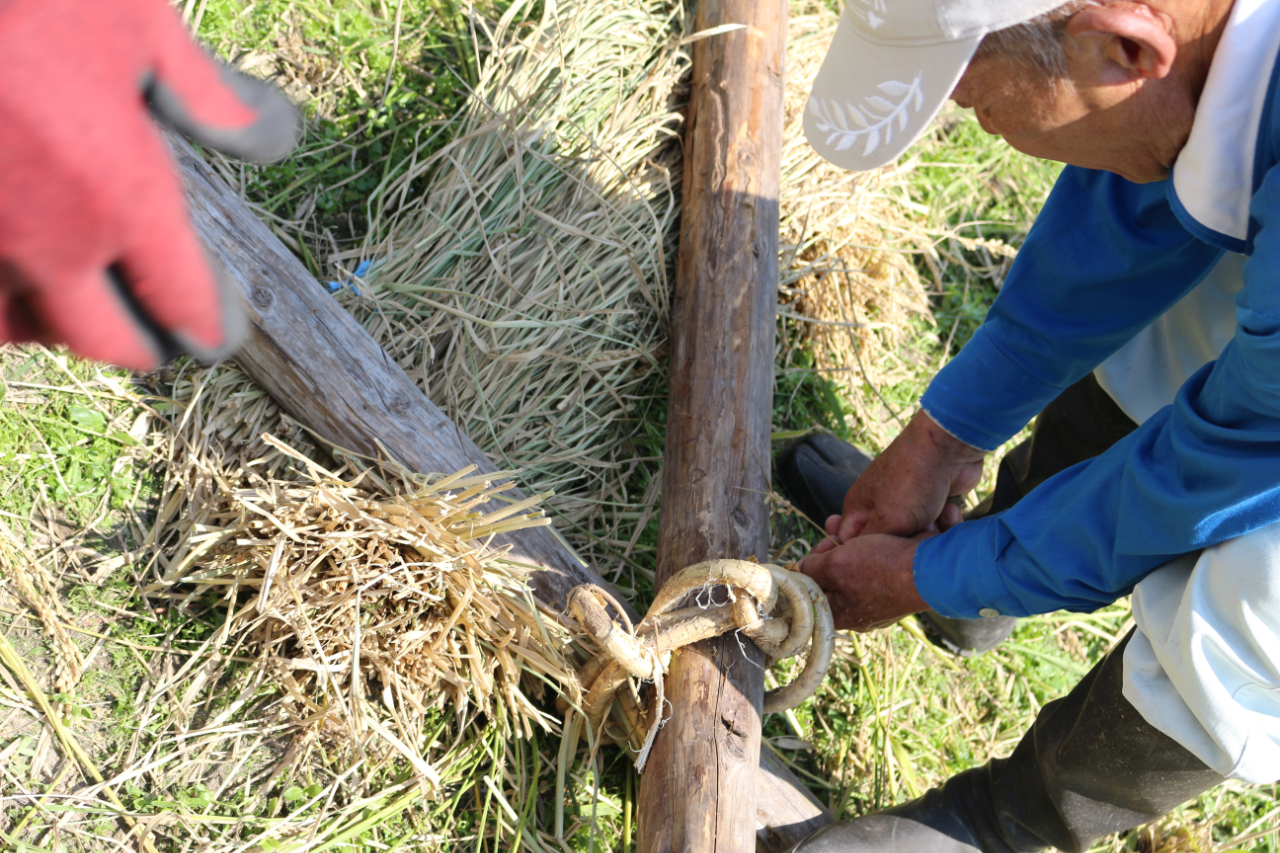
[890, 68]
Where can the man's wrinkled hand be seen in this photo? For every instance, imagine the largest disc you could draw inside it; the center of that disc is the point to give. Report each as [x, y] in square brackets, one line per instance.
[868, 579]
[905, 489]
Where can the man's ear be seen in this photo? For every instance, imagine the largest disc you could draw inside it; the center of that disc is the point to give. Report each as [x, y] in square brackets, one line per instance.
[1132, 36]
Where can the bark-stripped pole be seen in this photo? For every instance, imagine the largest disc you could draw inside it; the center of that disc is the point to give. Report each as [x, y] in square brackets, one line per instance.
[329, 373]
[698, 790]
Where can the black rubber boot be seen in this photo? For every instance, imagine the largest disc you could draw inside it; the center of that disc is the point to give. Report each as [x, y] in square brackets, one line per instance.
[966, 637]
[1090, 766]
[815, 473]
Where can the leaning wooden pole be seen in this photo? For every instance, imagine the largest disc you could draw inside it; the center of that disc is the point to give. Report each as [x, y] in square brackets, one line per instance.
[697, 792]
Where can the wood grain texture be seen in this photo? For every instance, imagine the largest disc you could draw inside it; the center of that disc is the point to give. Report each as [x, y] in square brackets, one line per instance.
[329, 374]
[697, 793]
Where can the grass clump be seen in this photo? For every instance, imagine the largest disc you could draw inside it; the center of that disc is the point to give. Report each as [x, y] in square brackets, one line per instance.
[525, 287]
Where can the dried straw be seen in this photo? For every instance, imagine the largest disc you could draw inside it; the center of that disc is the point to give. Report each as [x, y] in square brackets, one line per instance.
[35, 589]
[522, 279]
[371, 600]
[365, 641]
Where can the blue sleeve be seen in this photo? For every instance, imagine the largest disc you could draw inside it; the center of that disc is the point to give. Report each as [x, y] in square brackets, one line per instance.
[1200, 471]
[1104, 259]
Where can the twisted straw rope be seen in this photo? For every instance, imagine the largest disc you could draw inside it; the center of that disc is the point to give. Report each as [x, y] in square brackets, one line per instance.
[780, 610]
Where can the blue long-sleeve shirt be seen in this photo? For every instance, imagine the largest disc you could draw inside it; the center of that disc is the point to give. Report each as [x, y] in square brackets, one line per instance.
[1105, 258]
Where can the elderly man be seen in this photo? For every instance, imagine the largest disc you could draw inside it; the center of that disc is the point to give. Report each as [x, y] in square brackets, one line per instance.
[1143, 316]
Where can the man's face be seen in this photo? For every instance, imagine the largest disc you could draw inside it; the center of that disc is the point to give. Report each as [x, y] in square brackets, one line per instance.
[1093, 118]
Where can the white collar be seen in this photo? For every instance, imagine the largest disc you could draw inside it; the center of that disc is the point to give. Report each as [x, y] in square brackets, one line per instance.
[1213, 176]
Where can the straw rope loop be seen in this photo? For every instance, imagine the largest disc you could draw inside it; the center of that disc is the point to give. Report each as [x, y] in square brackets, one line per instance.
[781, 611]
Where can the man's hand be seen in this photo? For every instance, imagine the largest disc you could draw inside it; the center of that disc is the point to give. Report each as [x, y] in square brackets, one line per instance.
[868, 580]
[905, 490]
[96, 250]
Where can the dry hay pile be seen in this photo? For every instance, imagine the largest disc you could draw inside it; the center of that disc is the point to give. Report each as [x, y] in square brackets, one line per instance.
[369, 597]
[524, 284]
[359, 650]
[848, 288]
[33, 587]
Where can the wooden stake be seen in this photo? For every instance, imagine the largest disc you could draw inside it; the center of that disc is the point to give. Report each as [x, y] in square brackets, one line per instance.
[697, 792]
[329, 374]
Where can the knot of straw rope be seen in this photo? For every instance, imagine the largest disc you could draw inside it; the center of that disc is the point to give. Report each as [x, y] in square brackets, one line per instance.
[781, 611]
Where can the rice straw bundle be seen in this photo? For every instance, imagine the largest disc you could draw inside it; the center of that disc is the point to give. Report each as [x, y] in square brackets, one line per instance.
[524, 285]
[370, 601]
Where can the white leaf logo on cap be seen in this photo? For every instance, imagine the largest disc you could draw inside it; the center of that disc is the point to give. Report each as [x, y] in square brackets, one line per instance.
[873, 14]
[874, 121]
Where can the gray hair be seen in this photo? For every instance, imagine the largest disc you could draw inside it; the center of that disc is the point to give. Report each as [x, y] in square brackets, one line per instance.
[1037, 42]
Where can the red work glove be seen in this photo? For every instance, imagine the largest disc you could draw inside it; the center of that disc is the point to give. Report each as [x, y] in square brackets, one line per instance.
[96, 250]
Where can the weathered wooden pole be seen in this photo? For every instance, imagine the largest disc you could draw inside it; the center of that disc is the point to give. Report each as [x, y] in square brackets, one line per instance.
[329, 374]
[698, 793]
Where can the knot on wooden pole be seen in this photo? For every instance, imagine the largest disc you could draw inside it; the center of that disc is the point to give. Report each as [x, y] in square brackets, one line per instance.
[782, 611]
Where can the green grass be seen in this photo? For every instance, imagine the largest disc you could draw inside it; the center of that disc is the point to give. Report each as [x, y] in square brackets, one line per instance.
[61, 447]
[376, 81]
[81, 476]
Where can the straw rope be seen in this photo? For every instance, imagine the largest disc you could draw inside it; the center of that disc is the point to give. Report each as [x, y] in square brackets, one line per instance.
[780, 610]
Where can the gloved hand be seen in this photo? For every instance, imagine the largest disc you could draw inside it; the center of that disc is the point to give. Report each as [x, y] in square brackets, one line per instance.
[96, 250]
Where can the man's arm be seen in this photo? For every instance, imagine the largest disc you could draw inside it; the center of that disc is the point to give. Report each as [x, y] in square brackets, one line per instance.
[1104, 259]
[1201, 471]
